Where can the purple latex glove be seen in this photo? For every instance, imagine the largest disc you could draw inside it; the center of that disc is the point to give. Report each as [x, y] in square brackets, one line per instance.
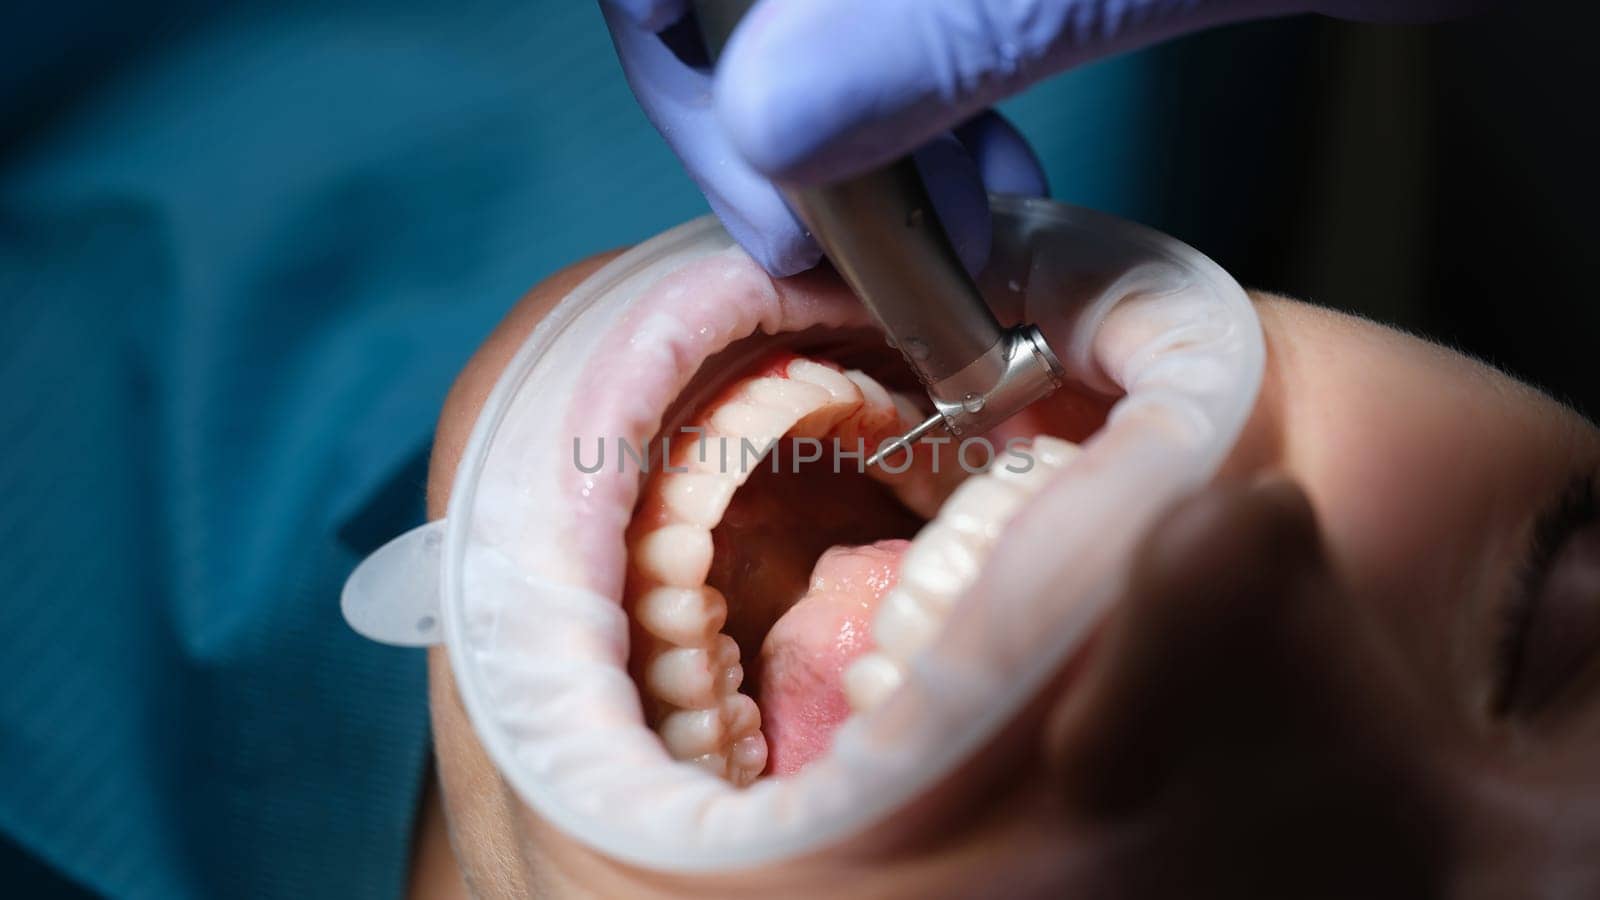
[958, 164]
[811, 91]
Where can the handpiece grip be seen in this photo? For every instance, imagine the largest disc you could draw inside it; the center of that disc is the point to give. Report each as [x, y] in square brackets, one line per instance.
[880, 232]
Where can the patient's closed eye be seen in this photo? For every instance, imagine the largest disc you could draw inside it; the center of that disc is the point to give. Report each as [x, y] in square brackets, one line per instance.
[1552, 632]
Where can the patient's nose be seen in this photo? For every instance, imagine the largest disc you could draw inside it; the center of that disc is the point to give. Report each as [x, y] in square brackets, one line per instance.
[1238, 714]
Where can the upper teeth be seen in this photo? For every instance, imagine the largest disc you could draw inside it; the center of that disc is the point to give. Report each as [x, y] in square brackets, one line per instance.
[691, 671]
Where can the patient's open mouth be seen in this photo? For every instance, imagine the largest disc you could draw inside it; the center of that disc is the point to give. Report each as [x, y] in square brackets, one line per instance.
[854, 637]
[771, 595]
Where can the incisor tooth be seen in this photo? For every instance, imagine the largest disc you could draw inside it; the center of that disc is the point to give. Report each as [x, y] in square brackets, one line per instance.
[876, 413]
[675, 555]
[903, 625]
[682, 615]
[794, 398]
[758, 424]
[873, 395]
[844, 401]
[698, 498]
[689, 733]
[871, 678]
[826, 377]
[708, 452]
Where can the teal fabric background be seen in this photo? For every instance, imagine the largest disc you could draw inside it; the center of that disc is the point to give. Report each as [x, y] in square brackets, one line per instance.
[243, 251]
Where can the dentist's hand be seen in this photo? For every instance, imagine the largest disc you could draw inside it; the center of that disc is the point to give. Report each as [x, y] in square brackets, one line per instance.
[811, 91]
[958, 165]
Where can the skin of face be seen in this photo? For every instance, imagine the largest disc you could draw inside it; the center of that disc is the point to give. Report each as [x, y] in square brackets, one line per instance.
[1296, 698]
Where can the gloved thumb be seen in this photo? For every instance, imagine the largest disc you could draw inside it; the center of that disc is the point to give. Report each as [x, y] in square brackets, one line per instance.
[811, 91]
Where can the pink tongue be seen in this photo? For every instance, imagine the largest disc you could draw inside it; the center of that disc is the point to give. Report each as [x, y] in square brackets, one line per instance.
[804, 655]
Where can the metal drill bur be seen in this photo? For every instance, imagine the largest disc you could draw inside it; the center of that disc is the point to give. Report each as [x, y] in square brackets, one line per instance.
[905, 441]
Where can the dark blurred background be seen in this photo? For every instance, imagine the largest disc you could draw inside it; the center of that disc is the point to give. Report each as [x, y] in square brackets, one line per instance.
[1441, 179]
[245, 247]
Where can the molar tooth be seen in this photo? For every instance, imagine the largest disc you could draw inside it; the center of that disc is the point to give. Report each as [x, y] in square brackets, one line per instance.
[725, 665]
[980, 508]
[689, 733]
[758, 424]
[871, 678]
[747, 758]
[675, 555]
[716, 763]
[903, 625]
[822, 422]
[698, 498]
[730, 678]
[740, 715]
[685, 616]
[683, 676]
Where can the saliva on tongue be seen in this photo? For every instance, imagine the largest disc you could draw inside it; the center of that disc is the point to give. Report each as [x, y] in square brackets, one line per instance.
[804, 655]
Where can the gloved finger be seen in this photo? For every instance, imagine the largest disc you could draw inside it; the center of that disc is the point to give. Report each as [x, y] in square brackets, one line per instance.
[1006, 163]
[984, 155]
[813, 90]
[960, 202]
[677, 99]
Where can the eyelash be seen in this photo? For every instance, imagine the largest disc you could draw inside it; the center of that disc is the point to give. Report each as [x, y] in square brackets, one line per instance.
[1575, 508]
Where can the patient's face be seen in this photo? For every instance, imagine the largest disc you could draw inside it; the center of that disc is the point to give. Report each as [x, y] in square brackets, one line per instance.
[1375, 674]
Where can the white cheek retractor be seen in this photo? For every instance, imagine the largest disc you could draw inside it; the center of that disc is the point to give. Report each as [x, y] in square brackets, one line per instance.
[524, 595]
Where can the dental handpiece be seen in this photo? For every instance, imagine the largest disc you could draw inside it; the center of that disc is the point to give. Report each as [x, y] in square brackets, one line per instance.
[880, 232]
